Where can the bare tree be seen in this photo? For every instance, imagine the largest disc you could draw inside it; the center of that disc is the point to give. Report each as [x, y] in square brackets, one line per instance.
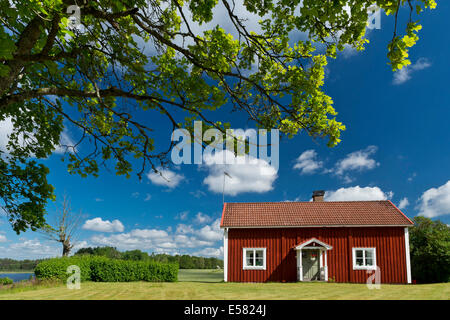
[66, 225]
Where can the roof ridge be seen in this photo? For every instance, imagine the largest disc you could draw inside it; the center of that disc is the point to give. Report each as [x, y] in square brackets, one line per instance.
[277, 202]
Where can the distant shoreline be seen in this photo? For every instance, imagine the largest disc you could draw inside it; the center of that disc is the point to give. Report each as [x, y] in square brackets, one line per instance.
[21, 271]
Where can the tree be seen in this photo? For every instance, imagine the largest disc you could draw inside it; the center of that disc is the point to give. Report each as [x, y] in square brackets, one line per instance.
[430, 250]
[109, 252]
[93, 75]
[135, 255]
[65, 227]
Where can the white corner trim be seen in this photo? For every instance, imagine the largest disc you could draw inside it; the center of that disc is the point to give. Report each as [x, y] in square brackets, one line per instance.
[408, 258]
[225, 254]
[355, 267]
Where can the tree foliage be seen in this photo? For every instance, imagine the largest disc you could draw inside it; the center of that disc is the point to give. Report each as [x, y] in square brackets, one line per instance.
[97, 76]
[184, 261]
[430, 250]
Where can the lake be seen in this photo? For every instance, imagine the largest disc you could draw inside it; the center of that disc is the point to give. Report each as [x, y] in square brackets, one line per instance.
[17, 276]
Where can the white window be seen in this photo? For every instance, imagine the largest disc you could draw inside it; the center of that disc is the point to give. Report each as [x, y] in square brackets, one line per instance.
[364, 259]
[254, 258]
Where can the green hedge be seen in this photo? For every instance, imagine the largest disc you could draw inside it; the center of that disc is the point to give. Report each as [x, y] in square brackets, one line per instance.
[112, 270]
[5, 281]
[103, 269]
[57, 268]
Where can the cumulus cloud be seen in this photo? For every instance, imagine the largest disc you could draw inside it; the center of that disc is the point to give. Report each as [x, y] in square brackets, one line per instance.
[97, 224]
[435, 201]
[7, 127]
[248, 174]
[210, 252]
[2, 238]
[357, 193]
[30, 249]
[202, 218]
[211, 232]
[405, 74]
[165, 177]
[355, 161]
[307, 163]
[186, 237]
[403, 203]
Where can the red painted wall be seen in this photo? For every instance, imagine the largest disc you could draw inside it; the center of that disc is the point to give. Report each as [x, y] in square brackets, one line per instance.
[281, 264]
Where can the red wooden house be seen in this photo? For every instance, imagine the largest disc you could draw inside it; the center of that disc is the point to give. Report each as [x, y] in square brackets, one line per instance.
[317, 240]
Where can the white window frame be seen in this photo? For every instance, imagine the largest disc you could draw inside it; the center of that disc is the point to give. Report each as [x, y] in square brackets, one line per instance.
[356, 267]
[244, 259]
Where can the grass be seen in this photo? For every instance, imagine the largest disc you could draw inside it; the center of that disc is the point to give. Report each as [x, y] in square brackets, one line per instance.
[200, 275]
[208, 285]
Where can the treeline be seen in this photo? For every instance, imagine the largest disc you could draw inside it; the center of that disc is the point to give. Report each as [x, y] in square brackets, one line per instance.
[184, 261]
[17, 265]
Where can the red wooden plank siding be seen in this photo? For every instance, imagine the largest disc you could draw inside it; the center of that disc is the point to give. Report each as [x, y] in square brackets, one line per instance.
[281, 263]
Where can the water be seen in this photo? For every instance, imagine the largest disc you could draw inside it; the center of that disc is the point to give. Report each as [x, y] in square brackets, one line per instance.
[16, 277]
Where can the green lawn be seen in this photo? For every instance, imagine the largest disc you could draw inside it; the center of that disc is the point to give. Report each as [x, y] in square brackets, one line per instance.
[206, 284]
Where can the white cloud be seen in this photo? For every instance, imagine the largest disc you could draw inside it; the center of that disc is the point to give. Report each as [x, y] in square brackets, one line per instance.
[149, 233]
[411, 178]
[202, 218]
[7, 127]
[30, 249]
[2, 238]
[66, 143]
[184, 229]
[435, 201]
[357, 193]
[403, 203]
[148, 197]
[248, 174]
[307, 162]
[210, 252]
[356, 161]
[185, 238]
[182, 215]
[97, 224]
[165, 177]
[99, 200]
[212, 232]
[404, 74]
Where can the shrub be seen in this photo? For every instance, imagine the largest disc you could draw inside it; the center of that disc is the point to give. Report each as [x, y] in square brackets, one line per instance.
[6, 281]
[102, 269]
[109, 270]
[57, 268]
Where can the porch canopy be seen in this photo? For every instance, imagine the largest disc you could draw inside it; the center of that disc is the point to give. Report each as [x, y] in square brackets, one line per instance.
[313, 244]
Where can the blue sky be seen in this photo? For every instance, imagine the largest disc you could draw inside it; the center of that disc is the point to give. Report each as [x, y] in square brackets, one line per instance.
[396, 147]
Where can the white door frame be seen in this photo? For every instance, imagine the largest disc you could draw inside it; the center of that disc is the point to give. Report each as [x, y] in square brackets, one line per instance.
[323, 263]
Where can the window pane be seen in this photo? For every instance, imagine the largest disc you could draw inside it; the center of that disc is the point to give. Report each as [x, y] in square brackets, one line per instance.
[369, 262]
[359, 253]
[259, 262]
[250, 260]
[359, 262]
[259, 254]
[369, 254]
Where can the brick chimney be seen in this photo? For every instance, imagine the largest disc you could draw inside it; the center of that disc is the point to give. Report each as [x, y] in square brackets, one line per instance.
[318, 195]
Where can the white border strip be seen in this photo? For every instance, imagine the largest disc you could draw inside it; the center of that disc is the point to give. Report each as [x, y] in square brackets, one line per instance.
[225, 255]
[408, 259]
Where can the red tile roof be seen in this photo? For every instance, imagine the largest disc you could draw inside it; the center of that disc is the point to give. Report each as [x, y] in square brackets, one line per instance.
[301, 214]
